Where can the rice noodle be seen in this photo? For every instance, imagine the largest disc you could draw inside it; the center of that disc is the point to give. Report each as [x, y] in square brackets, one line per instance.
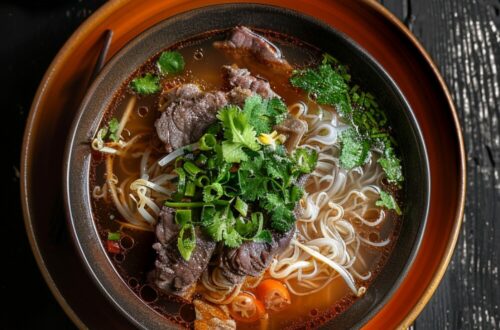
[337, 212]
[332, 214]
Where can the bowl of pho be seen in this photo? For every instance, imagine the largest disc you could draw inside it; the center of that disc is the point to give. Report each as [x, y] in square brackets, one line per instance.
[244, 166]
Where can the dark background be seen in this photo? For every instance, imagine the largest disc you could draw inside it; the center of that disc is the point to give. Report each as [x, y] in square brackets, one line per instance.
[463, 37]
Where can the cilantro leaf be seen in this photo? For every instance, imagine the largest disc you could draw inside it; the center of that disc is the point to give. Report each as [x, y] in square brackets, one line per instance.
[252, 186]
[170, 62]
[392, 166]
[263, 237]
[282, 218]
[237, 129]
[296, 194]
[329, 84]
[113, 126]
[326, 84]
[264, 114]
[354, 151]
[276, 110]
[387, 200]
[232, 238]
[147, 84]
[305, 159]
[233, 152]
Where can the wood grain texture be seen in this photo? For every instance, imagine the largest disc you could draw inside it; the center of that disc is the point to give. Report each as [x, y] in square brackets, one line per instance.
[463, 38]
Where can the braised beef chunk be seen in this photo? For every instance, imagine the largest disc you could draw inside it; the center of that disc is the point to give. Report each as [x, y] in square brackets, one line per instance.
[242, 81]
[294, 129]
[188, 114]
[251, 258]
[245, 42]
[172, 273]
[166, 228]
[188, 110]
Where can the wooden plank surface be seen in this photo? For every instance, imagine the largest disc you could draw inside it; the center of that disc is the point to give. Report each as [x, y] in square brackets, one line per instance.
[463, 38]
[461, 35]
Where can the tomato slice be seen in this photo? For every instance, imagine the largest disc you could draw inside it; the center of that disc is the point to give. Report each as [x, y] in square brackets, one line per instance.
[274, 294]
[246, 308]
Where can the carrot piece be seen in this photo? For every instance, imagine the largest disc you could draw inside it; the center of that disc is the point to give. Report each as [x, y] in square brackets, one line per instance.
[273, 294]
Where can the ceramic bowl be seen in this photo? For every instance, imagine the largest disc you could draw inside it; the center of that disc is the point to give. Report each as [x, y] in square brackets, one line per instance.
[364, 69]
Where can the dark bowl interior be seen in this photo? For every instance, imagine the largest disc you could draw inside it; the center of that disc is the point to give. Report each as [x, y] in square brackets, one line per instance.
[365, 71]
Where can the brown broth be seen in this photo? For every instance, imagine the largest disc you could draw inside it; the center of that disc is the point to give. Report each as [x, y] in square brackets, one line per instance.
[137, 257]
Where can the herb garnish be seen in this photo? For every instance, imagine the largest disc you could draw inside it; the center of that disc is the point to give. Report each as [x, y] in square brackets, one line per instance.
[113, 126]
[329, 84]
[147, 84]
[235, 188]
[170, 62]
[387, 200]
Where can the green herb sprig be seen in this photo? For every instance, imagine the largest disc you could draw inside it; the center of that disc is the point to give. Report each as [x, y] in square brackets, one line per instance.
[329, 84]
[234, 188]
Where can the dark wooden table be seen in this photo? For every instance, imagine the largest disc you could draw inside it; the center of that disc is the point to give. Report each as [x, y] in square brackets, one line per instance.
[463, 37]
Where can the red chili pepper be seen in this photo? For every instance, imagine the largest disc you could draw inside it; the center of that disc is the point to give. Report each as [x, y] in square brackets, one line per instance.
[113, 247]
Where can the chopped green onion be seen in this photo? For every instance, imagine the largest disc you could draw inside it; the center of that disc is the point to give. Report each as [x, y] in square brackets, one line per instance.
[241, 207]
[202, 181]
[191, 168]
[187, 244]
[113, 236]
[207, 142]
[176, 205]
[183, 217]
[212, 192]
[181, 185]
[190, 189]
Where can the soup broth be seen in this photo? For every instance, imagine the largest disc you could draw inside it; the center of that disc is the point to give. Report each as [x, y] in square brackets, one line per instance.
[348, 198]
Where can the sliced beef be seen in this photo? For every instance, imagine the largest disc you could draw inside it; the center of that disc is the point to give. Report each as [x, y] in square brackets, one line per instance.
[188, 114]
[243, 84]
[251, 258]
[172, 273]
[294, 129]
[245, 42]
[188, 111]
[166, 229]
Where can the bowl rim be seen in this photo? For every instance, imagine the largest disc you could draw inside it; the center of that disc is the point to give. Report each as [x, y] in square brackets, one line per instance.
[136, 41]
[105, 11]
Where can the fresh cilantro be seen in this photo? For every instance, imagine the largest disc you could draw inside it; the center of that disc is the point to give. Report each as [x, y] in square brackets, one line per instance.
[305, 159]
[387, 200]
[244, 190]
[264, 114]
[147, 84]
[328, 83]
[232, 238]
[170, 62]
[263, 237]
[325, 85]
[238, 133]
[233, 152]
[392, 166]
[354, 150]
[186, 241]
[113, 126]
[282, 217]
[213, 222]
